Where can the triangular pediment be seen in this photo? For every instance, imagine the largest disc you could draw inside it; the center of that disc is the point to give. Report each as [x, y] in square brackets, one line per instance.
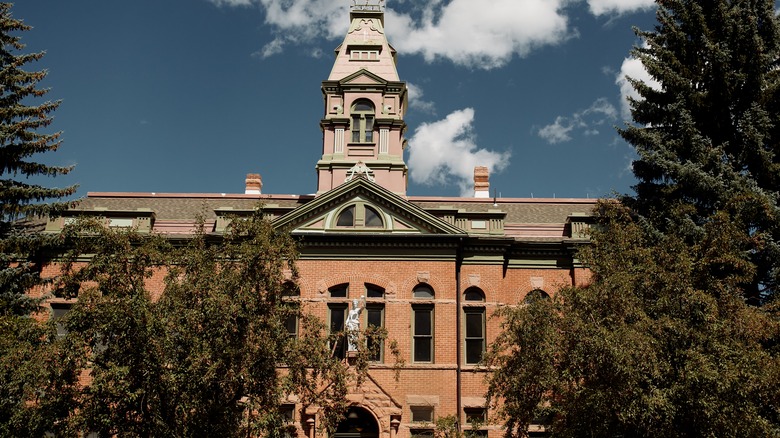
[362, 76]
[374, 209]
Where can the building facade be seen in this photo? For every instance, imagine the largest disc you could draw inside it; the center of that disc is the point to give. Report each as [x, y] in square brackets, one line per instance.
[431, 271]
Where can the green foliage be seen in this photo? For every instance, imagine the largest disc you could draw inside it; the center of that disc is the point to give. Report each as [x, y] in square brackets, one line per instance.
[661, 343]
[711, 133]
[39, 379]
[20, 140]
[201, 358]
[35, 392]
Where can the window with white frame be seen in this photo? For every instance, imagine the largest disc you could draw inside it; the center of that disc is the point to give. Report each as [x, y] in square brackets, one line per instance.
[364, 55]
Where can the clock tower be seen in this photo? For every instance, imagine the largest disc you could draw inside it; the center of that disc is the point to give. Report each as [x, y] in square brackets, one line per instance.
[365, 103]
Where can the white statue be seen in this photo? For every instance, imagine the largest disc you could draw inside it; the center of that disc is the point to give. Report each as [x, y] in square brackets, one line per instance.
[352, 324]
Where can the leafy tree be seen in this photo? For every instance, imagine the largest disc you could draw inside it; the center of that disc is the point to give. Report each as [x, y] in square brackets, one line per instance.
[34, 392]
[661, 343]
[711, 132]
[200, 357]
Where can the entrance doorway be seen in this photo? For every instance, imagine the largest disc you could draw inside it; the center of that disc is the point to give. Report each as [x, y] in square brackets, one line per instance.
[359, 423]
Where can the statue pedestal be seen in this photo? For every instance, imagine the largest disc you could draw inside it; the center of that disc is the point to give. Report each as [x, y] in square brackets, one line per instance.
[351, 356]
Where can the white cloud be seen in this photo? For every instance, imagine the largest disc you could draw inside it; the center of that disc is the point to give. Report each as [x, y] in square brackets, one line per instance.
[557, 132]
[446, 152]
[416, 101]
[466, 32]
[634, 69]
[232, 2]
[602, 7]
[471, 33]
[599, 113]
[273, 48]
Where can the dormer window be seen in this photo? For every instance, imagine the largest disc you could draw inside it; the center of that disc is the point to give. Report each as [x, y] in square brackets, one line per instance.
[362, 121]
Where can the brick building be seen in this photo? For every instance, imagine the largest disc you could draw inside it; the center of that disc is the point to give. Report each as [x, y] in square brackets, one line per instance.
[432, 270]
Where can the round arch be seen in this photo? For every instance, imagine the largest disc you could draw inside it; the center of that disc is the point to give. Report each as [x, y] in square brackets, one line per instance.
[357, 423]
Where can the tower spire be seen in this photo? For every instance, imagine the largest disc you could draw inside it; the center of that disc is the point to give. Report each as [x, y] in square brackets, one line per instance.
[365, 102]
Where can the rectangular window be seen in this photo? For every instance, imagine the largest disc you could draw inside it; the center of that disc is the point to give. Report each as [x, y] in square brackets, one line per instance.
[291, 321]
[356, 129]
[58, 310]
[475, 415]
[422, 347]
[475, 334]
[337, 314]
[364, 55]
[421, 433]
[475, 433]
[369, 129]
[287, 412]
[116, 222]
[375, 314]
[422, 414]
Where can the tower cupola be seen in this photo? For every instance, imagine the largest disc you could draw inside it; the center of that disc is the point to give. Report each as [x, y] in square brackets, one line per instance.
[364, 105]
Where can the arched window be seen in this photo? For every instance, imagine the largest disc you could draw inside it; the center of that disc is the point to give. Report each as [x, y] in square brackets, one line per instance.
[373, 218]
[422, 328]
[346, 217]
[291, 294]
[474, 322]
[360, 215]
[423, 292]
[375, 321]
[474, 294]
[536, 294]
[363, 121]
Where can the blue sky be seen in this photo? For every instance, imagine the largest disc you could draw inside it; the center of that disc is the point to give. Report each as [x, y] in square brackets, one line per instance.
[191, 95]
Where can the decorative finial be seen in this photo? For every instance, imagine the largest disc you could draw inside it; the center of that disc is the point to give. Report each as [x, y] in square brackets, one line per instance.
[360, 170]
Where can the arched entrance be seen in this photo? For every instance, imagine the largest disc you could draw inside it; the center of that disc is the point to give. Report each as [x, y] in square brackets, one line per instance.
[359, 423]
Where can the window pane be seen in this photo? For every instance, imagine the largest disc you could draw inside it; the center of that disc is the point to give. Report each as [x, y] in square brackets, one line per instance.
[374, 317]
[474, 294]
[337, 319]
[422, 433]
[372, 218]
[422, 414]
[423, 292]
[374, 341]
[59, 310]
[346, 217]
[473, 350]
[290, 289]
[374, 291]
[422, 349]
[363, 106]
[337, 315]
[422, 322]
[473, 325]
[291, 324]
[339, 291]
[475, 415]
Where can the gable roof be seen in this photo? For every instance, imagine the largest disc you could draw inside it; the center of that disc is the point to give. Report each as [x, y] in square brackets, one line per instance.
[412, 216]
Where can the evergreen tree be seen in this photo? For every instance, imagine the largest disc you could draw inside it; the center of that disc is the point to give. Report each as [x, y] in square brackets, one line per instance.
[21, 140]
[37, 381]
[711, 133]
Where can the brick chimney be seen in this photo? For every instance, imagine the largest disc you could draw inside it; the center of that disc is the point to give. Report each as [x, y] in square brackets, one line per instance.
[253, 184]
[481, 184]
